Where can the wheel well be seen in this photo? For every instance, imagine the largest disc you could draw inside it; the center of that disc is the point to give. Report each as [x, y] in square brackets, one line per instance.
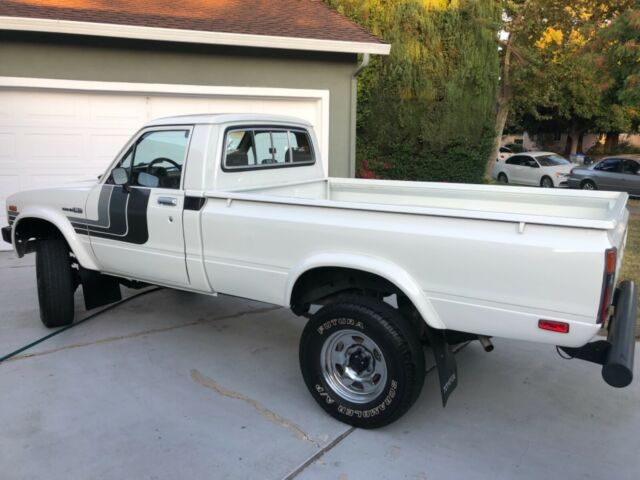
[587, 180]
[30, 230]
[545, 176]
[322, 285]
[317, 285]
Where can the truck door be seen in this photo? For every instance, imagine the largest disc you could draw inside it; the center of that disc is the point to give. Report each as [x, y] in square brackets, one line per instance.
[136, 229]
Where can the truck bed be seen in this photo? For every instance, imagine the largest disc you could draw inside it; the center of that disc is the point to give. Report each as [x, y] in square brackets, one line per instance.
[573, 208]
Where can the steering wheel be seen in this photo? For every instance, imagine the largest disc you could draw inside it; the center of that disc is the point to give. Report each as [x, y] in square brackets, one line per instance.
[162, 159]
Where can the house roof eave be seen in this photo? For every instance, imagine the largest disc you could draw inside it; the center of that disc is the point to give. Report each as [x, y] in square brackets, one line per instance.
[189, 36]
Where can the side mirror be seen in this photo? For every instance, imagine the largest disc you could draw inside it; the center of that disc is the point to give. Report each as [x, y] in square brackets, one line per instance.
[120, 176]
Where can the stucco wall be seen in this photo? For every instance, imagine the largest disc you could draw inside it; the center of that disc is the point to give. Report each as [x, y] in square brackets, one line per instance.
[84, 58]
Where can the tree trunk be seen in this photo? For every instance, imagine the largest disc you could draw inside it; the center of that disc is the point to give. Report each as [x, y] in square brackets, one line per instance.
[611, 141]
[567, 145]
[575, 134]
[574, 143]
[580, 140]
[503, 99]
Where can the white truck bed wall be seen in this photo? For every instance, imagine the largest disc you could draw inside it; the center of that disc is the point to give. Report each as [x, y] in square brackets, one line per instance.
[468, 271]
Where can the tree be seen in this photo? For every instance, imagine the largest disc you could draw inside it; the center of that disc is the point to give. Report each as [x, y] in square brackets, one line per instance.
[425, 112]
[617, 56]
[556, 82]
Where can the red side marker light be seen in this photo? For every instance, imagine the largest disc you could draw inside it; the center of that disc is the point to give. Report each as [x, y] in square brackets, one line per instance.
[612, 256]
[13, 208]
[553, 326]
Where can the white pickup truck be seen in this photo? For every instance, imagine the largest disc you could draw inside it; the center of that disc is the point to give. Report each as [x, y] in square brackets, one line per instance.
[240, 205]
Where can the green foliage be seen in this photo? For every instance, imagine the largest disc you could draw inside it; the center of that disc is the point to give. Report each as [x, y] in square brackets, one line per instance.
[576, 60]
[617, 56]
[426, 112]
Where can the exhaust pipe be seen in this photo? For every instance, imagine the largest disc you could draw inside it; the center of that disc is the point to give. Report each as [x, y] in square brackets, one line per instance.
[486, 343]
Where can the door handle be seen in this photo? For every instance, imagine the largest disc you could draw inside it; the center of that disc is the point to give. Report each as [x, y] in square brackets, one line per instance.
[172, 201]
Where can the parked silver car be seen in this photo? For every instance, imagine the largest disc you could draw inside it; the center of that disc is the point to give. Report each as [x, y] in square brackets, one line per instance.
[620, 173]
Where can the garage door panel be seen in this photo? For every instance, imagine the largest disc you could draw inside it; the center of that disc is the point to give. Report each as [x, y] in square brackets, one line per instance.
[103, 148]
[61, 149]
[126, 110]
[48, 180]
[9, 184]
[55, 108]
[7, 149]
[167, 106]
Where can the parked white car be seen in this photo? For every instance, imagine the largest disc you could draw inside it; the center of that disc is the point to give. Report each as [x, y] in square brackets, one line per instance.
[540, 169]
[240, 205]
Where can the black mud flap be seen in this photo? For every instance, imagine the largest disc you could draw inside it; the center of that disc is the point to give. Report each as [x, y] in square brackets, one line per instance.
[445, 363]
[99, 289]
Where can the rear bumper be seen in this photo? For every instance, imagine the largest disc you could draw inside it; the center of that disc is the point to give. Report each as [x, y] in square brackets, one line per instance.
[6, 234]
[615, 354]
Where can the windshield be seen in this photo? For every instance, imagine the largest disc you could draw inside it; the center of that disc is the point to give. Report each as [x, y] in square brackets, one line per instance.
[552, 160]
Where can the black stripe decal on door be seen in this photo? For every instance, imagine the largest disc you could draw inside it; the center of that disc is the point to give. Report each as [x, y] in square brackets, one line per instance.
[122, 216]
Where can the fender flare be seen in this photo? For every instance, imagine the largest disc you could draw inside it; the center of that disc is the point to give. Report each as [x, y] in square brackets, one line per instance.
[83, 252]
[387, 270]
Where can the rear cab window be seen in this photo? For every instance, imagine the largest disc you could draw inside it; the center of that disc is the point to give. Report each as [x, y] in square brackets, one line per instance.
[254, 148]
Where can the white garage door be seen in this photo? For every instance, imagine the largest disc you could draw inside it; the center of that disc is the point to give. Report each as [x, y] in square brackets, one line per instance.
[48, 137]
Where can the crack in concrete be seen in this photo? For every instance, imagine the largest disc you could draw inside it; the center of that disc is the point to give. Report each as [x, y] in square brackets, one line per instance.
[270, 415]
[142, 333]
[319, 454]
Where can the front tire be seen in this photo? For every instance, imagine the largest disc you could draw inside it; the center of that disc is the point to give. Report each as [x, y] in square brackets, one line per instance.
[362, 361]
[55, 281]
[502, 178]
[546, 182]
[588, 185]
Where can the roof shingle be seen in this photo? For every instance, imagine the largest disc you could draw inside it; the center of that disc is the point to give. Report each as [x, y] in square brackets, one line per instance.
[309, 19]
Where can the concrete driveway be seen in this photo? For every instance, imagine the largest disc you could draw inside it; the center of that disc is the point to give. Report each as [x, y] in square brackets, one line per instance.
[174, 385]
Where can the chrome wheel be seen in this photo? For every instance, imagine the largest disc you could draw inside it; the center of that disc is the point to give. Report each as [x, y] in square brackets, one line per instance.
[353, 366]
[588, 186]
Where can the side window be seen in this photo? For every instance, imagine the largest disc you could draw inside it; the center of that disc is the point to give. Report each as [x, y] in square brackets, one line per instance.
[240, 148]
[515, 160]
[299, 148]
[529, 162]
[610, 165]
[156, 159]
[630, 167]
[265, 147]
